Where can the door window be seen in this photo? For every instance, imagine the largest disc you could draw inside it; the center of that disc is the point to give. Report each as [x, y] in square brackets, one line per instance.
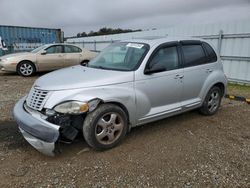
[71, 49]
[166, 57]
[54, 50]
[193, 55]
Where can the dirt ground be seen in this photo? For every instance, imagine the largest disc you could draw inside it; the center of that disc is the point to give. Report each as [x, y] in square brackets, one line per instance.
[187, 150]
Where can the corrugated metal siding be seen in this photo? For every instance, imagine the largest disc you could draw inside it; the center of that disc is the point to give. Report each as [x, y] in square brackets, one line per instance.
[190, 30]
[237, 47]
[27, 38]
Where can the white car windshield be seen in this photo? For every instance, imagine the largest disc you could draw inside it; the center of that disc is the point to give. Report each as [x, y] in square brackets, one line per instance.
[124, 56]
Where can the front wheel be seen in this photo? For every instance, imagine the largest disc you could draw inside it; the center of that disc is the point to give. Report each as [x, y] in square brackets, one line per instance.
[26, 68]
[105, 127]
[212, 101]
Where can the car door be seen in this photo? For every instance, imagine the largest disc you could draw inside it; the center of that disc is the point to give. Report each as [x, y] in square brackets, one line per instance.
[72, 55]
[51, 59]
[197, 68]
[158, 94]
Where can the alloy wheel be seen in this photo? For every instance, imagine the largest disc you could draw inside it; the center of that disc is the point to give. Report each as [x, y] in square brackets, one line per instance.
[213, 101]
[26, 69]
[109, 128]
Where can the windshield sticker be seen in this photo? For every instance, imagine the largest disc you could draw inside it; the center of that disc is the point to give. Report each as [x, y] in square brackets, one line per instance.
[135, 45]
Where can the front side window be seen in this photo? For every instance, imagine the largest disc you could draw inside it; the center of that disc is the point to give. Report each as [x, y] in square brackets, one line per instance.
[193, 55]
[122, 56]
[165, 57]
[54, 49]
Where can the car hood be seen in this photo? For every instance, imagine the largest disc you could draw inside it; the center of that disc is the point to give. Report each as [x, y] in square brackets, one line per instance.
[81, 77]
[15, 55]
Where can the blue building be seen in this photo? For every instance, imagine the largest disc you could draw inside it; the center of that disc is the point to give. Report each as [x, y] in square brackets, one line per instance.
[19, 39]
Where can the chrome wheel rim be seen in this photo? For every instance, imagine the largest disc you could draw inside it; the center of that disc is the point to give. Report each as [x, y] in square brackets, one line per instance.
[26, 69]
[213, 101]
[109, 128]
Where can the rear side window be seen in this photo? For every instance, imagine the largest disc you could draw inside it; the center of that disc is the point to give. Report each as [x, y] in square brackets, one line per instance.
[211, 55]
[71, 49]
[193, 55]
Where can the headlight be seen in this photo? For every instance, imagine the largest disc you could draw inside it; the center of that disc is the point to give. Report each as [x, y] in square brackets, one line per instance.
[72, 107]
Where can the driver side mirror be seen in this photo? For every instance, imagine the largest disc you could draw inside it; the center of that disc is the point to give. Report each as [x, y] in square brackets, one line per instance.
[155, 69]
[43, 52]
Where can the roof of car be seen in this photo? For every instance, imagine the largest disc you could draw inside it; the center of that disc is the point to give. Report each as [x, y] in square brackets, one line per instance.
[52, 44]
[158, 40]
[61, 44]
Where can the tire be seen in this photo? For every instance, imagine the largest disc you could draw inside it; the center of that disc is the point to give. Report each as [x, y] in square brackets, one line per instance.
[26, 68]
[84, 63]
[102, 123]
[212, 101]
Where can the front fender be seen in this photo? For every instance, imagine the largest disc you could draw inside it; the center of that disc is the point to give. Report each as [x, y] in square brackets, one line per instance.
[121, 93]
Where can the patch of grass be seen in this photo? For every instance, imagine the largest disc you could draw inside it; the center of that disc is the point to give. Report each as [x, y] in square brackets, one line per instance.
[238, 87]
[239, 90]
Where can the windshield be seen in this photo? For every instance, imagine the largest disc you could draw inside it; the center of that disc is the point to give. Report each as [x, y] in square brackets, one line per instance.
[124, 56]
[39, 48]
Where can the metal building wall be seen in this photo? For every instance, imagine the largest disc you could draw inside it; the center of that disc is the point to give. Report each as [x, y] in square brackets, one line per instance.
[27, 38]
[232, 40]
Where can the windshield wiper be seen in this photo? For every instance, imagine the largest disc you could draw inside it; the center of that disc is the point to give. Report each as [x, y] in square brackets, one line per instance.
[100, 67]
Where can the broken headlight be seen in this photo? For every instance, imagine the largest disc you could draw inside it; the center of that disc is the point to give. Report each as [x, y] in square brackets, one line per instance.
[72, 107]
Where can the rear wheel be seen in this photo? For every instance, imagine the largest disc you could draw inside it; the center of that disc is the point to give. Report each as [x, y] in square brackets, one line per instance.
[105, 127]
[212, 101]
[26, 68]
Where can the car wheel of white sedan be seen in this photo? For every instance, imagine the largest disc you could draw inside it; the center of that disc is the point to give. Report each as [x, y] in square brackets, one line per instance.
[105, 127]
[26, 68]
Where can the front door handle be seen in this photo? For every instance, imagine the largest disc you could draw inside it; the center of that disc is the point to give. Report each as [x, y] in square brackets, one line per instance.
[209, 70]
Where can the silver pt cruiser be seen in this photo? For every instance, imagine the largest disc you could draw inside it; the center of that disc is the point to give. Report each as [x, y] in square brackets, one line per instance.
[129, 84]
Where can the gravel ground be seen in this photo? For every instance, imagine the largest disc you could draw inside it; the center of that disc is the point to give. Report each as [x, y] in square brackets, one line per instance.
[187, 150]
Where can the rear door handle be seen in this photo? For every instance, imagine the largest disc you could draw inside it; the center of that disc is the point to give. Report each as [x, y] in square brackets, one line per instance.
[177, 76]
[209, 70]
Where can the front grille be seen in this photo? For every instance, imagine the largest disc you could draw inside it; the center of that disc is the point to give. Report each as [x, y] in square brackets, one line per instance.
[36, 99]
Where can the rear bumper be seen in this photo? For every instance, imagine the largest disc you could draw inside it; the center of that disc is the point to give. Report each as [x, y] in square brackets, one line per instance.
[41, 134]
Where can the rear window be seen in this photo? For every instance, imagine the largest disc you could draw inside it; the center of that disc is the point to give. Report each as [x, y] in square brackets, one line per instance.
[211, 55]
[193, 55]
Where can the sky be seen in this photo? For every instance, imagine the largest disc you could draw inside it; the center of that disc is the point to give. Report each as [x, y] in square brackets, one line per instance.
[85, 15]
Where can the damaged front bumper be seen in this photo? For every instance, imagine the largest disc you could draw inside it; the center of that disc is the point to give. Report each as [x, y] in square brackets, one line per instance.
[41, 134]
